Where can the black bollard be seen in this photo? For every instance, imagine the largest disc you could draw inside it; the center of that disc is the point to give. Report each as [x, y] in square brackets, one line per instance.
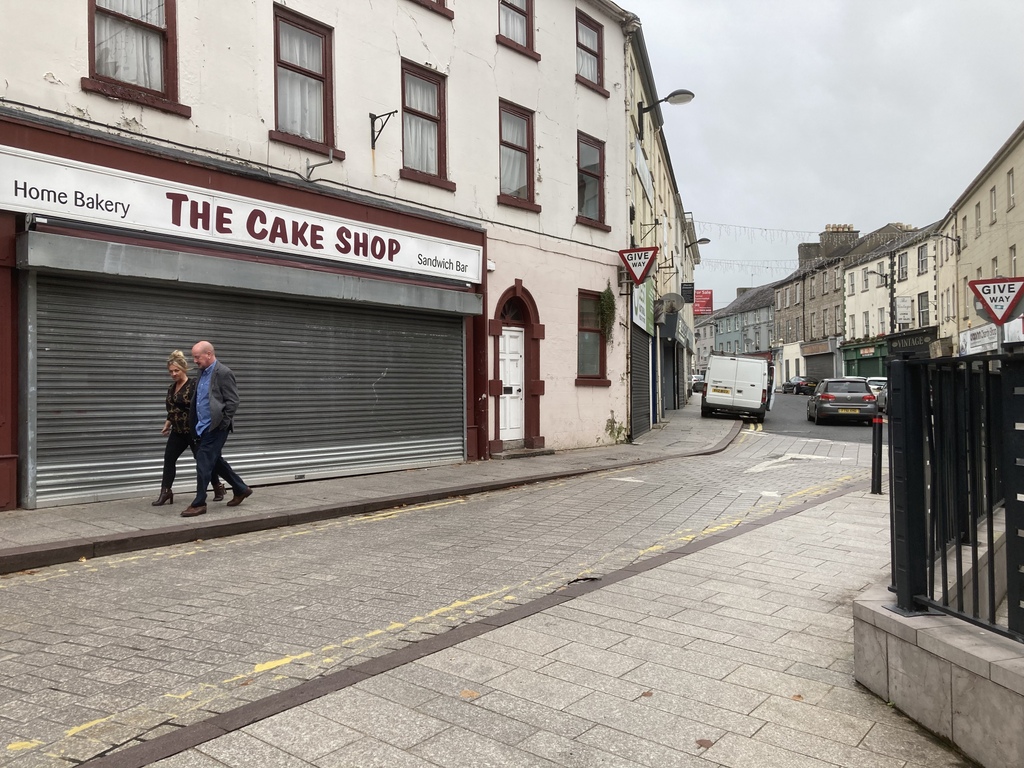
[876, 455]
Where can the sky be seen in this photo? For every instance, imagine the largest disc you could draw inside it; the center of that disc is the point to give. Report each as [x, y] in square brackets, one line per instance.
[816, 112]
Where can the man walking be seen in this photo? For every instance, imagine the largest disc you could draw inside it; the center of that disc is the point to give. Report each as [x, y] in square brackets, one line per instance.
[210, 420]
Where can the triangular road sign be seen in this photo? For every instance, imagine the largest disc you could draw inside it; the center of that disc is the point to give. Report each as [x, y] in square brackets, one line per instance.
[638, 262]
[998, 296]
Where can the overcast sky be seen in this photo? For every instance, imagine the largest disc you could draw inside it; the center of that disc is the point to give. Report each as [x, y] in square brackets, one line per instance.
[815, 112]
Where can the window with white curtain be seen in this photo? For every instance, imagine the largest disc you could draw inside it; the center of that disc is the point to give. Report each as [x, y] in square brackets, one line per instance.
[589, 49]
[590, 179]
[515, 24]
[304, 91]
[423, 123]
[515, 154]
[133, 45]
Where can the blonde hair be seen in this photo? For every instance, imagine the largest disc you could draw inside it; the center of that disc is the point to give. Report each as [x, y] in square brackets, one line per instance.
[178, 360]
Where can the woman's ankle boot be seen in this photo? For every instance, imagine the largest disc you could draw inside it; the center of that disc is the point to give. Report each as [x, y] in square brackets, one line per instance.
[219, 491]
[166, 497]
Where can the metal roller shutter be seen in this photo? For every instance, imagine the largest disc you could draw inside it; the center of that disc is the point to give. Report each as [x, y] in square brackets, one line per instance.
[820, 366]
[640, 382]
[326, 389]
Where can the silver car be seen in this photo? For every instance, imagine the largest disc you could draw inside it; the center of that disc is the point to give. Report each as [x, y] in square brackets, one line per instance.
[848, 399]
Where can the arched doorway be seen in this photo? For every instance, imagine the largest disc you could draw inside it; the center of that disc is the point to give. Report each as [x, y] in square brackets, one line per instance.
[516, 385]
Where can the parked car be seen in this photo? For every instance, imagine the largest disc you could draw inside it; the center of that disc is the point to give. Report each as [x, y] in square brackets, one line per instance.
[882, 398]
[696, 383]
[846, 399]
[876, 383]
[799, 385]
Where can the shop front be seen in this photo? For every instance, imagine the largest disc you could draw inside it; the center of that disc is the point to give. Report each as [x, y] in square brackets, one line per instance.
[819, 358]
[865, 359]
[355, 330]
[916, 343]
[642, 382]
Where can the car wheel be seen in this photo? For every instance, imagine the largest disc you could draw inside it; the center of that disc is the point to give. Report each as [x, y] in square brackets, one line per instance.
[704, 412]
[818, 420]
[809, 417]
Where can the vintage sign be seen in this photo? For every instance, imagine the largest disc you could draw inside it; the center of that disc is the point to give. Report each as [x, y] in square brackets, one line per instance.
[44, 185]
[703, 302]
[639, 261]
[998, 296]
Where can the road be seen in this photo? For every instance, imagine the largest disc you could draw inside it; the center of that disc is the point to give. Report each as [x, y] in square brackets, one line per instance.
[106, 653]
[789, 417]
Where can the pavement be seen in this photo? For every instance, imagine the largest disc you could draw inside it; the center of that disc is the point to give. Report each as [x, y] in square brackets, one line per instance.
[734, 649]
[33, 538]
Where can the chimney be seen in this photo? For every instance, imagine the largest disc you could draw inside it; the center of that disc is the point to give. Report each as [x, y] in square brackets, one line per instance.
[835, 237]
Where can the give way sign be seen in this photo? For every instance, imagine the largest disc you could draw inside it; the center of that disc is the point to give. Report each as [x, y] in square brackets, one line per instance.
[638, 262]
[998, 296]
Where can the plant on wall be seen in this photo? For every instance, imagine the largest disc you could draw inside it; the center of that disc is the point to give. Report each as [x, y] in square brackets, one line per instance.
[606, 312]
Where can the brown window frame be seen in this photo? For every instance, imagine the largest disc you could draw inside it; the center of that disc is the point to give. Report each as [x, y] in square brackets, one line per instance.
[412, 174]
[326, 147]
[587, 21]
[165, 100]
[599, 223]
[601, 378]
[529, 202]
[437, 6]
[529, 49]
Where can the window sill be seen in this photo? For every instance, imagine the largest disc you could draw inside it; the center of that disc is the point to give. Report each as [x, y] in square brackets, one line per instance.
[448, 13]
[425, 178]
[126, 92]
[307, 144]
[593, 382]
[593, 224]
[508, 42]
[516, 202]
[592, 86]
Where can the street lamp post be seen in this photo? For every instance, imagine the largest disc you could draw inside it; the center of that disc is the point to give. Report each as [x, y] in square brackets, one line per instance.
[679, 96]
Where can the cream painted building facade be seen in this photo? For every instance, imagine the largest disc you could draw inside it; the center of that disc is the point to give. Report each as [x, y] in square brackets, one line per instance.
[416, 204]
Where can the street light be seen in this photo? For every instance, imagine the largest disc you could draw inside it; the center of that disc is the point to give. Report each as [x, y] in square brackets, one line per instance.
[680, 96]
[702, 241]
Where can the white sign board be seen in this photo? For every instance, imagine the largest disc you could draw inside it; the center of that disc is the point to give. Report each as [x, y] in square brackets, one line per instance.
[974, 341]
[904, 310]
[1013, 331]
[998, 296]
[44, 185]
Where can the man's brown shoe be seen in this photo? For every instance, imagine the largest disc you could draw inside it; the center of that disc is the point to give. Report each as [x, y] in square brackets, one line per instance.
[194, 511]
[219, 492]
[238, 498]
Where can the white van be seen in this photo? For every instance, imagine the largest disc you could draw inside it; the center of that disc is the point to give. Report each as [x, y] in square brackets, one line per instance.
[738, 384]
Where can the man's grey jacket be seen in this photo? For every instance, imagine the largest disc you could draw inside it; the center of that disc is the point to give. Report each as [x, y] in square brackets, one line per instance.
[223, 400]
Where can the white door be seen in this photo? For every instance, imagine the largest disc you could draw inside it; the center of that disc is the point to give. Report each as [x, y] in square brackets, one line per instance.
[510, 368]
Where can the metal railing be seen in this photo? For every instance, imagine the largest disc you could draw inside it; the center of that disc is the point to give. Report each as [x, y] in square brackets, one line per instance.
[956, 444]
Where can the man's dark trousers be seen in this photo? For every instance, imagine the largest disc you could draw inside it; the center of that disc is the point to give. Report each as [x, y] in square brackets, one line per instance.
[208, 449]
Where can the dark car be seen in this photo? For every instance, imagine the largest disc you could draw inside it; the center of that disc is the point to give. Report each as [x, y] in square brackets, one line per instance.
[849, 399]
[799, 385]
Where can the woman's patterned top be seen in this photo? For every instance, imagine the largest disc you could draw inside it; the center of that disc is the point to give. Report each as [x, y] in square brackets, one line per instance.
[178, 404]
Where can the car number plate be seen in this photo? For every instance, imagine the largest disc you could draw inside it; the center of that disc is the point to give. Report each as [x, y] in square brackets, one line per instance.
[849, 410]
[720, 390]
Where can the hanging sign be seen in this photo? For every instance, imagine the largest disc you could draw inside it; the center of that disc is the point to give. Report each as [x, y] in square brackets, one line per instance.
[638, 262]
[998, 296]
[904, 310]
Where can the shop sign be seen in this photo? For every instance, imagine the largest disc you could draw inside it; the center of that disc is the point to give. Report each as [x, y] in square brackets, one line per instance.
[44, 185]
[643, 307]
[867, 351]
[1013, 332]
[904, 310]
[974, 341]
[815, 348]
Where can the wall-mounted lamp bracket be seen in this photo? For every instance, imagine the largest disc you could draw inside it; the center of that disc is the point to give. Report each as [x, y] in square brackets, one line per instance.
[650, 228]
[374, 130]
[310, 166]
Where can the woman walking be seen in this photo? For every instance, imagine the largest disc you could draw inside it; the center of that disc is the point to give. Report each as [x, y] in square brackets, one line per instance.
[179, 397]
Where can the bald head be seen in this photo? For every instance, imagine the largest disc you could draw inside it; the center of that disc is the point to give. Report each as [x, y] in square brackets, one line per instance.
[203, 355]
